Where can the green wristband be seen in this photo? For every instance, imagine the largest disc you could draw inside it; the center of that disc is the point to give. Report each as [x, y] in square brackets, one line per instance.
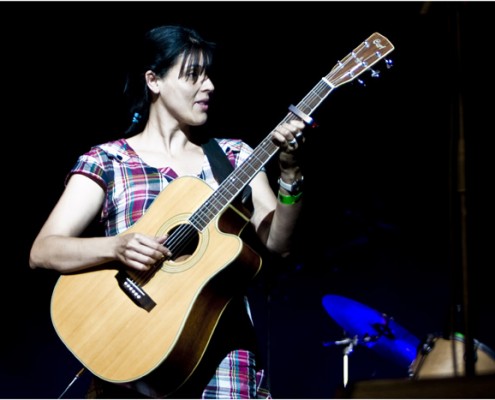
[289, 199]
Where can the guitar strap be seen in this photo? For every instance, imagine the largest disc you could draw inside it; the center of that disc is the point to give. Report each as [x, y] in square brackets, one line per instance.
[221, 165]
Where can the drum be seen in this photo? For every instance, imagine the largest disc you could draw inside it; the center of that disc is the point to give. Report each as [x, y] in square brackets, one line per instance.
[441, 358]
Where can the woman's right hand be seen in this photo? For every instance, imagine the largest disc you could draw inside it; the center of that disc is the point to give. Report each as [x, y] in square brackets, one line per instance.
[140, 251]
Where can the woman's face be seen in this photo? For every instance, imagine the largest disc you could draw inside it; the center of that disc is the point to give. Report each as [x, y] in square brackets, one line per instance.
[186, 98]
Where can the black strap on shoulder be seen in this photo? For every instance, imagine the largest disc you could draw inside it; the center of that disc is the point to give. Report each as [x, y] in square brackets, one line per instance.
[220, 164]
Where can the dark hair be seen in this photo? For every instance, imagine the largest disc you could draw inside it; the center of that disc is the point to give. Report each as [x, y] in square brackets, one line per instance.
[161, 48]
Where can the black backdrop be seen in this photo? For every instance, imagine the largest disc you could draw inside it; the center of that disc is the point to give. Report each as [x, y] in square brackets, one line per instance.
[383, 220]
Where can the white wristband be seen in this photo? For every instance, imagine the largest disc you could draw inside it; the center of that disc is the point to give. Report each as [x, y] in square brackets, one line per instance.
[293, 188]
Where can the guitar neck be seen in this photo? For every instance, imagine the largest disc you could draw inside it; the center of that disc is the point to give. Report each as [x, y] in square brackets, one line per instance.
[362, 58]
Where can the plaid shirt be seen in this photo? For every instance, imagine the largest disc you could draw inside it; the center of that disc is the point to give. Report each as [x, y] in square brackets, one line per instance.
[237, 378]
[131, 186]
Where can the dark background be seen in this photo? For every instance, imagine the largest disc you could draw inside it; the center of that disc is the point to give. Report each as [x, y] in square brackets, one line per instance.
[386, 207]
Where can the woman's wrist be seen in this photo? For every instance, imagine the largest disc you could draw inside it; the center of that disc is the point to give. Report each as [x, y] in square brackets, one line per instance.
[290, 193]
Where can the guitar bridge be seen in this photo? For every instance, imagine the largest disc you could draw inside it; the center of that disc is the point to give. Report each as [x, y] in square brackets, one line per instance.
[134, 291]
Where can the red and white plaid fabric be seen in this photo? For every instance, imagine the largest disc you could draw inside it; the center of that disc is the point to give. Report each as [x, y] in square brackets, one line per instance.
[237, 378]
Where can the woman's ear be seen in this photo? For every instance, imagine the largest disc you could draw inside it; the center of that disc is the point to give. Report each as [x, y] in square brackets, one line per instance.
[152, 81]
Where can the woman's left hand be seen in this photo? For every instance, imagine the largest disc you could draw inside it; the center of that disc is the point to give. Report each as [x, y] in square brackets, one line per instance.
[288, 135]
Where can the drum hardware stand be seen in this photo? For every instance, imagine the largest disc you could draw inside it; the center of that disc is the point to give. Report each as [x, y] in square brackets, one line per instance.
[348, 349]
[425, 349]
[349, 344]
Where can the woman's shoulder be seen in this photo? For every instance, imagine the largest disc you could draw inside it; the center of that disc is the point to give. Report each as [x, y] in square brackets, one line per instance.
[115, 149]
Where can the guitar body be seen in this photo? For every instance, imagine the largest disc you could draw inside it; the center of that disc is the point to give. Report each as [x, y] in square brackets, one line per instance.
[120, 342]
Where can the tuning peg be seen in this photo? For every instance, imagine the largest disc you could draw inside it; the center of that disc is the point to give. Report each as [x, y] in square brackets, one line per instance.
[374, 73]
[361, 82]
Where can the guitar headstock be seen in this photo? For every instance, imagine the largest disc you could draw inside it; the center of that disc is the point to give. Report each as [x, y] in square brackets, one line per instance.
[362, 58]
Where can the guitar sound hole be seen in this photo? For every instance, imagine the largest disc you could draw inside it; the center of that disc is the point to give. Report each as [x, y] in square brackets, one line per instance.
[183, 241]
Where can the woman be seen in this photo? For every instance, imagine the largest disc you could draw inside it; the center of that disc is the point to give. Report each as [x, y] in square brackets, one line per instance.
[119, 180]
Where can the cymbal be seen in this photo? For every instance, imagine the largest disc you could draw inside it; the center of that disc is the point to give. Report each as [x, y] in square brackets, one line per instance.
[373, 329]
